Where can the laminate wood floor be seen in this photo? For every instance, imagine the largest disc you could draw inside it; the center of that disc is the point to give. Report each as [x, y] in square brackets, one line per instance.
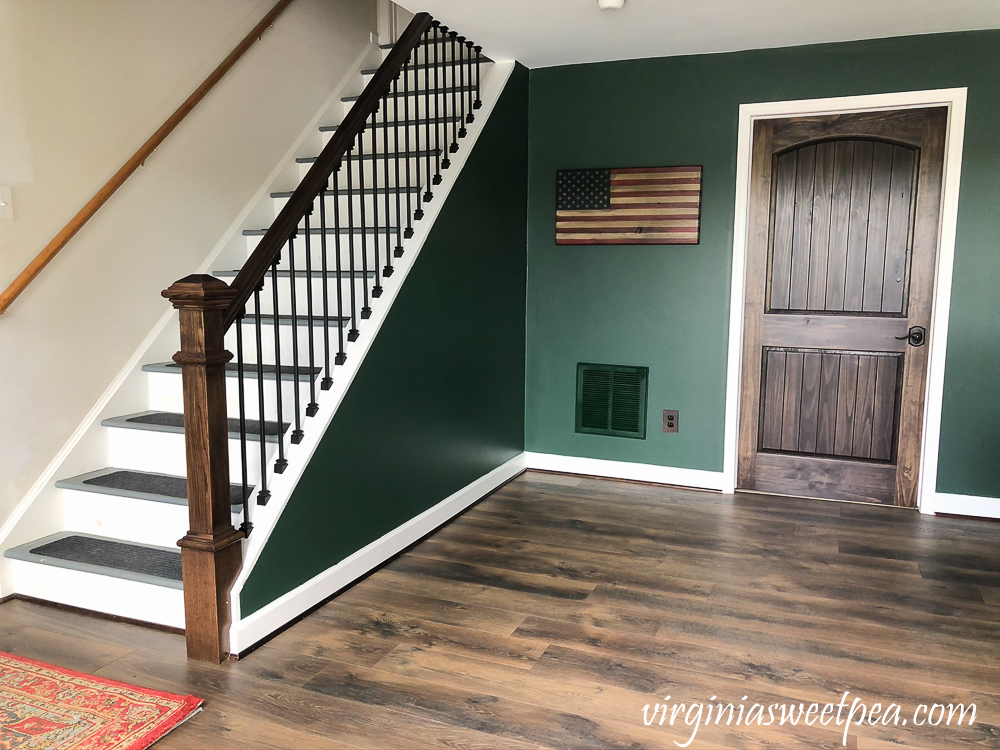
[551, 613]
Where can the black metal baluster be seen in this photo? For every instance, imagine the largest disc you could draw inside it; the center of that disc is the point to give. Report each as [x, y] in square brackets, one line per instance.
[341, 356]
[462, 132]
[408, 232]
[297, 433]
[328, 377]
[385, 165]
[312, 406]
[377, 290]
[281, 464]
[366, 311]
[395, 138]
[427, 112]
[352, 335]
[418, 213]
[442, 163]
[479, 51]
[470, 118]
[262, 495]
[455, 94]
[441, 48]
[246, 527]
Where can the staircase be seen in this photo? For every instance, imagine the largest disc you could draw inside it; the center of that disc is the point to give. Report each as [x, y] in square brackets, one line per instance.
[294, 315]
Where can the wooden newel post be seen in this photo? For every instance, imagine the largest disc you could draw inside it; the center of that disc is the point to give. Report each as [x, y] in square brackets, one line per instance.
[210, 552]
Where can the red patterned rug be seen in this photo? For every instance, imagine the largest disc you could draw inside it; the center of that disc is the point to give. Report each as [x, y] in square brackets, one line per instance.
[47, 708]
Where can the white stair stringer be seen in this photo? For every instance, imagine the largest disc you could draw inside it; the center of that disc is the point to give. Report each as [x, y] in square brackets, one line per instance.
[245, 632]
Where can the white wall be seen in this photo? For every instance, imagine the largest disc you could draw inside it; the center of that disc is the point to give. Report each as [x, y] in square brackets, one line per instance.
[82, 85]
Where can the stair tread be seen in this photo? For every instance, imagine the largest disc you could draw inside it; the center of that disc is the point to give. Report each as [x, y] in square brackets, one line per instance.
[140, 485]
[367, 191]
[379, 155]
[329, 230]
[284, 273]
[249, 370]
[418, 92]
[383, 123]
[88, 553]
[424, 65]
[300, 319]
[173, 422]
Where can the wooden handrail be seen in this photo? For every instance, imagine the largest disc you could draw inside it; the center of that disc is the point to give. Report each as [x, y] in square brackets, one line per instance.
[100, 198]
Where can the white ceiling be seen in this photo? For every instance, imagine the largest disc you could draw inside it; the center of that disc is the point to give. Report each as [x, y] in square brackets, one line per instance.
[540, 33]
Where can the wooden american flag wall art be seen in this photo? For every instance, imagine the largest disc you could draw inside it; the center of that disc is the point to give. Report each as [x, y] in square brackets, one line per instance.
[635, 206]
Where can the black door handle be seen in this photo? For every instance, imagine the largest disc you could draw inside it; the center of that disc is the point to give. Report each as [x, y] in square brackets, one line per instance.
[916, 336]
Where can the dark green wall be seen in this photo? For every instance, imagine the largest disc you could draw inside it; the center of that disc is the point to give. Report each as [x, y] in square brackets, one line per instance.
[439, 400]
[668, 307]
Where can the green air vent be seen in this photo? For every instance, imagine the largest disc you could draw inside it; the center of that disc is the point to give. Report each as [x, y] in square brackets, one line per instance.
[611, 400]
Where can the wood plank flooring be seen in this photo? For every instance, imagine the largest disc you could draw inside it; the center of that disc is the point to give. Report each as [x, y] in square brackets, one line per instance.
[551, 613]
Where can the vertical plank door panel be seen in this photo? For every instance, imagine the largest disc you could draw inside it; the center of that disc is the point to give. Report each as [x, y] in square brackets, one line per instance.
[820, 245]
[774, 400]
[884, 416]
[878, 219]
[846, 396]
[793, 396]
[798, 291]
[826, 427]
[898, 231]
[840, 220]
[784, 213]
[812, 364]
[861, 182]
[865, 407]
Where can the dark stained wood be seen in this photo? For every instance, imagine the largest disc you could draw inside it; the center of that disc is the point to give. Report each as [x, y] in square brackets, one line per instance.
[840, 218]
[829, 390]
[822, 208]
[802, 228]
[857, 233]
[792, 405]
[784, 230]
[849, 255]
[773, 400]
[847, 479]
[812, 363]
[469, 639]
[898, 229]
[211, 553]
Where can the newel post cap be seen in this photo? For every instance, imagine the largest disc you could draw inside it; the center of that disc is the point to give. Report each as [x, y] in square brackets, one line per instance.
[200, 291]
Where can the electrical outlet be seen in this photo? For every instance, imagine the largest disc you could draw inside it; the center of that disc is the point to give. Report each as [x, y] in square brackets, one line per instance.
[670, 419]
[6, 203]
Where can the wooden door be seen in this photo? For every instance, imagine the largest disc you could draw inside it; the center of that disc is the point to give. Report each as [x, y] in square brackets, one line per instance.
[844, 213]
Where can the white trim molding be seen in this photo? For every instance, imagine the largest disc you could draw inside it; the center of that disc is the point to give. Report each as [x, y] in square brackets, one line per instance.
[955, 101]
[962, 505]
[257, 626]
[598, 467]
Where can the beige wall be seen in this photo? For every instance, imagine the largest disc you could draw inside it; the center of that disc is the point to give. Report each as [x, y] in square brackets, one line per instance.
[83, 84]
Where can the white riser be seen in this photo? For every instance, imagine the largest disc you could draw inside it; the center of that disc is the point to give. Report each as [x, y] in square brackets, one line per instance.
[163, 452]
[285, 341]
[125, 518]
[374, 205]
[166, 393]
[315, 246]
[380, 161]
[301, 298]
[116, 596]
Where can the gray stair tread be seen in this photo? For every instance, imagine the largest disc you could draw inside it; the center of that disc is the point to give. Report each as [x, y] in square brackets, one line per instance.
[343, 191]
[382, 123]
[391, 155]
[301, 274]
[300, 319]
[160, 566]
[329, 230]
[424, 65]
[249, 370]
[141, 485]
[418, 92]
[173, 422]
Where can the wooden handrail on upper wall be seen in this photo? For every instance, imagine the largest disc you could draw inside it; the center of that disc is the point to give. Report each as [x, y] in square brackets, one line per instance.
[100, 198]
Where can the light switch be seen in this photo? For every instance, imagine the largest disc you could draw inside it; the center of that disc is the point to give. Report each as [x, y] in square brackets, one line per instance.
[6, 203]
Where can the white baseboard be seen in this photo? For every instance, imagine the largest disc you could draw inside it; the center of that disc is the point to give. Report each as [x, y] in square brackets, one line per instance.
[694, 478]
[252, 629]
[962, 505]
